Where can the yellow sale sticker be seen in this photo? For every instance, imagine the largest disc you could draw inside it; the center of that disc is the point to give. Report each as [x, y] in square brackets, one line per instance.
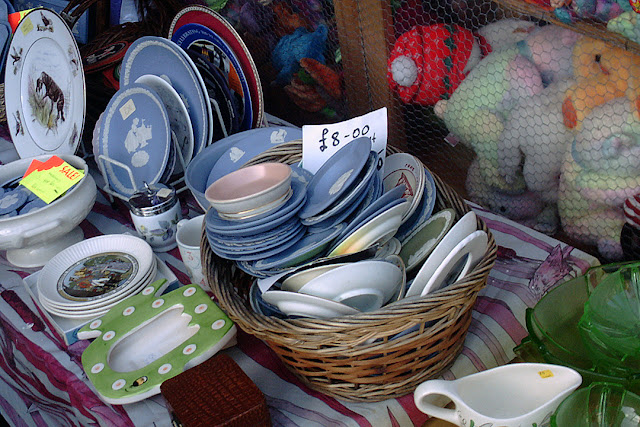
[49, 184]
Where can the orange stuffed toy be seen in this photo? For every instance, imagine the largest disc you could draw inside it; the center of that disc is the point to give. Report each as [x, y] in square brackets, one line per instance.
[603, 72]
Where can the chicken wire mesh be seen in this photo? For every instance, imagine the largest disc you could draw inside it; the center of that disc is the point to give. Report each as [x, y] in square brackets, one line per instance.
[523, 110]
[530, 114]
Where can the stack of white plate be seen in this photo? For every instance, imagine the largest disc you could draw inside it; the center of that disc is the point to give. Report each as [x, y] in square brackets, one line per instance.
[88, 278]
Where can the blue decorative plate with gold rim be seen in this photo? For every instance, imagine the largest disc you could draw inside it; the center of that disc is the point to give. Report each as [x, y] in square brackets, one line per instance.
[196, 34]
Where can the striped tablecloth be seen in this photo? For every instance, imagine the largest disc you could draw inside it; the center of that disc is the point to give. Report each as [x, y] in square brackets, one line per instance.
[42, 381]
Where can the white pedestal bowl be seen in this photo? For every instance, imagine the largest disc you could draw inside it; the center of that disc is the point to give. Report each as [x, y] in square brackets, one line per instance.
[33, 238]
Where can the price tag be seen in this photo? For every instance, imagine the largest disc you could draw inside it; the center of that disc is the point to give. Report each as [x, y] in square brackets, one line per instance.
[51, 179]
[319, 142]
[545, 374]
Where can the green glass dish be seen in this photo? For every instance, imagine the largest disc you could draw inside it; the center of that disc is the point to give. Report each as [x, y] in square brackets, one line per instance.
[555, 336]
[598, 405]
[611, 320]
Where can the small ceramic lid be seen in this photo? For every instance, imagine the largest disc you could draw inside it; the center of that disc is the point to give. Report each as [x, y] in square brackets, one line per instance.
[152, 200]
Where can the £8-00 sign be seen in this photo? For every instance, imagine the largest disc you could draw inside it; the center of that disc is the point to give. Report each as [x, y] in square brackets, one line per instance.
[320, 142]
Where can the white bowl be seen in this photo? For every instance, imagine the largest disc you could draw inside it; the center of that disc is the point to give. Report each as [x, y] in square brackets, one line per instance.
[294, 282]
[33, 238]
[250, 188]
[365, 285]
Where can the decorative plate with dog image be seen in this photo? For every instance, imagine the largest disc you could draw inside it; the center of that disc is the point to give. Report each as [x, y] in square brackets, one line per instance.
[44, 86]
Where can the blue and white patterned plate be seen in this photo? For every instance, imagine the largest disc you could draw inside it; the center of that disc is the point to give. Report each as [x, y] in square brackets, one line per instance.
[135, 132]
[178, 115]
[262, 254]
[195, 34]
[257, 242]
[385, 200]
[214, 223]
[12, 200]
[353, 195]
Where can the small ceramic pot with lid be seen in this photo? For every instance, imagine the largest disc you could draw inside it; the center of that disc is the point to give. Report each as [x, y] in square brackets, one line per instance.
[155, 213]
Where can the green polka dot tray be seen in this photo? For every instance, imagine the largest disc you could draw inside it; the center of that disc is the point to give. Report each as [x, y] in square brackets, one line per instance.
[149, 338]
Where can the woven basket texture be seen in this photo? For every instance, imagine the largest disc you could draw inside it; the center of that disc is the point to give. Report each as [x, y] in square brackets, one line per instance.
[359, 357]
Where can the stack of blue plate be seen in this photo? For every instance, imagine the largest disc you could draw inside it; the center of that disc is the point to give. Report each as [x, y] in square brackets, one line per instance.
[263, 235]
[346, 183]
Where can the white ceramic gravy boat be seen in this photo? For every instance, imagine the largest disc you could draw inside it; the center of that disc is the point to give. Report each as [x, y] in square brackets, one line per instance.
[515, 395]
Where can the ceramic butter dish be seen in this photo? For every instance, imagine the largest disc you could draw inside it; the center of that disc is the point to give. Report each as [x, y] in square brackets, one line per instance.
[148, 338]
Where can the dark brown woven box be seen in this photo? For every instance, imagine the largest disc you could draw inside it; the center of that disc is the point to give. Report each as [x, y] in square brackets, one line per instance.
[216, 393]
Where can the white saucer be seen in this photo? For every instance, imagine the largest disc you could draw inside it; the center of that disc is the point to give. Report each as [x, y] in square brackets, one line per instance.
[459, 262]
[419, 245]
[392, 247]
[179, 119]
[460, 230]
[297, 304]
[378, 230]
[97, 308]
[297, 280]
[365, 285]
[404, 168]
[402, 286]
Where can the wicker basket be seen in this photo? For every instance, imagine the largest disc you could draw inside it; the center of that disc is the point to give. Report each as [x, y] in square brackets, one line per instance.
[353, 357]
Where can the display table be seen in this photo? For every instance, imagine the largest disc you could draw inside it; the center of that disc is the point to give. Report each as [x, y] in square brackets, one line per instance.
[42, 381]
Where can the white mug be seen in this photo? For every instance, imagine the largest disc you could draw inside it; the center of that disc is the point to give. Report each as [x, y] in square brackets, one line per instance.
[518, 394]
[188, 238]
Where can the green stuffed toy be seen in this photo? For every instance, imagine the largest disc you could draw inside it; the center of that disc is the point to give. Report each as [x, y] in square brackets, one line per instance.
[600, 171]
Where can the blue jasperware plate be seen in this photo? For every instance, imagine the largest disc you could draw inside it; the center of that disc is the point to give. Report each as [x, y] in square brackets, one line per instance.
[10, 8]
[135, 131]
[367, 197]
[5, 39]
[262, 254]
[11, 200]
[383, 200]
[255, 143]
[354, 225]
[255, 243]
[335, 176]
[372, 194]
[352, 195]
[163, 58]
